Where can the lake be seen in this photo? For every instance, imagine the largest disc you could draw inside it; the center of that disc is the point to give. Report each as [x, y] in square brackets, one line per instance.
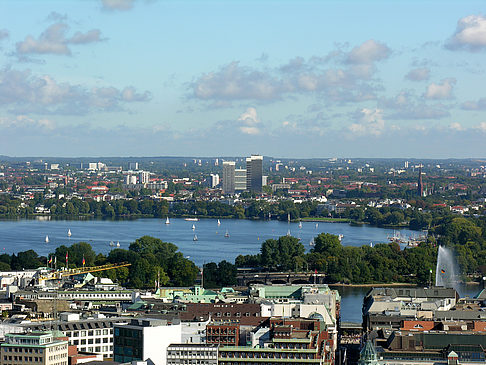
[245, 237]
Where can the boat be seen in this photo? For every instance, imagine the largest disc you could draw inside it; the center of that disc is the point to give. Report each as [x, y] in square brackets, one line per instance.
[167, 221]
[47, 239]
[219, 223]
[317, 225]
[340, 237]
[118, 244]
[288, 217]
[195, 237]
[112, 243]
[226, 234]
[300, 225]
[191, 219]
[288, 233]
[312, 242]
[371, 244]
[193, 227]
[69, 233]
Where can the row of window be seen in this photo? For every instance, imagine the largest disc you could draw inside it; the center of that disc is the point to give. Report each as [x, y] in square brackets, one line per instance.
[99, 332]
[58, 356]
[90, 341]
[20, 358]
[23, 349]
[96, 349]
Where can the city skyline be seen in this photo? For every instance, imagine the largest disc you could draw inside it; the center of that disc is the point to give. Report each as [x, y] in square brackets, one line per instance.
[301, 79]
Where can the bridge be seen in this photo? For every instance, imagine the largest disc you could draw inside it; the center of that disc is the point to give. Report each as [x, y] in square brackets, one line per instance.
[245, 278]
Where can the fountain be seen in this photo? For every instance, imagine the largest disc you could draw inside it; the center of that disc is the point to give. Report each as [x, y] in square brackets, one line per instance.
[447, 270]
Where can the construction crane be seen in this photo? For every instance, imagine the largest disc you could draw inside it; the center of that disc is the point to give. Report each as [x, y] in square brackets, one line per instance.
[64, 273]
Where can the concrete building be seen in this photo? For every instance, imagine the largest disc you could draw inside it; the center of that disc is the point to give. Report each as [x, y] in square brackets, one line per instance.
[145, 339]
[181, 354]
[254, 173]
[133, 166]
[34, 348]
[240, 179]
[213, 180]
[144, 177]
[93, 335]
[229, 177]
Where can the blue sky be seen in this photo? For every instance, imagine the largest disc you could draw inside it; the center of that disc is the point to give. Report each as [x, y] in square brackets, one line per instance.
[215, 78]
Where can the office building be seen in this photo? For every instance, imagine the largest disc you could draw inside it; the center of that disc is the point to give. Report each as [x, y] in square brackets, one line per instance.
[145, 339]
[213, 180]
[254, 173]
[43, 348]
[240, 179]
[144, 177]
[229, 177]
[133, 166]
[203, 354]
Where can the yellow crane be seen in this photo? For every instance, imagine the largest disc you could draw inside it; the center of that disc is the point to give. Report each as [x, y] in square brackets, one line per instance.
[63, 273]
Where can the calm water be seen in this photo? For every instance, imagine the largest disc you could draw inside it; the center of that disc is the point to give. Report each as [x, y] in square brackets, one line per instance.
[245, 237]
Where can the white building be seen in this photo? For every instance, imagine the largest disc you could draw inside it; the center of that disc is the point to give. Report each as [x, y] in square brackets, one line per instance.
[145, 339]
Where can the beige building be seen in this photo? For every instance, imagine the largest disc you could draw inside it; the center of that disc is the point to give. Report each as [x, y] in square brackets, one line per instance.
[37, 348]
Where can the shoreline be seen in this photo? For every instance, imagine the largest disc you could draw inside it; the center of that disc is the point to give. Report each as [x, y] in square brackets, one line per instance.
[371, 285]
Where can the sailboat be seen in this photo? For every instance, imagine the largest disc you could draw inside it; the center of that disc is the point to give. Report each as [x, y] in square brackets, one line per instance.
[69, 233]
[300, 225]
[112, 244]
[167, 221]
[118, 244]
[317, 225]
[340, 237]
[288, 233]
[219, 223]
[226, 234]
[312, 242]
[195, 237]
[193, 227]
[288, 217]
[47, 239]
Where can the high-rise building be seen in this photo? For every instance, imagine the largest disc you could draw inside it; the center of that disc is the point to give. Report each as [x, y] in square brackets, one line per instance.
[133, 166]
[144, 177]
[240, 179]
[254, 172]
[229, 177]
[420, 185]
[214, 180]
[145, 339]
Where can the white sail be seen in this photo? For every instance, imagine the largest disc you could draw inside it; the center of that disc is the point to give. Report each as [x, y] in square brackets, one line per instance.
[195, 237]
[219, 223]
[193, 227]
[118, 244]
[317, 225]
[226, 234]
[300, 225]
[167, 221]
[69, 233]
[47, 239]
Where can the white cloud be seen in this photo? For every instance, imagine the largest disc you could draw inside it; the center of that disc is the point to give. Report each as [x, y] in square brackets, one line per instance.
[54, 41]
[456, 126]
[480, 104]
[470, 34]
[368, 52]
[441, 90]
[249, 122]
[42, 94]
[481, 127]
[23, 121]
[406, 106]
[418, 74]
[370, 122]
[117, 4]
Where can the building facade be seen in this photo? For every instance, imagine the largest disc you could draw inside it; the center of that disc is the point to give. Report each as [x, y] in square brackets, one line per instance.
[229, 177]
[254, 173]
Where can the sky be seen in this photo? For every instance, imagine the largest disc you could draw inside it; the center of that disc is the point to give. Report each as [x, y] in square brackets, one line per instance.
[303, 79]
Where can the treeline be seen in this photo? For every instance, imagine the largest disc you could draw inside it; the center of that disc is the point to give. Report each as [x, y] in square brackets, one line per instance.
[382, 263]
[151, 260]
[392, 216]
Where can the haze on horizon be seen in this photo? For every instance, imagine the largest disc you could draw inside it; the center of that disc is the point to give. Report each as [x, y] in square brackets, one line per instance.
[212, 78]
